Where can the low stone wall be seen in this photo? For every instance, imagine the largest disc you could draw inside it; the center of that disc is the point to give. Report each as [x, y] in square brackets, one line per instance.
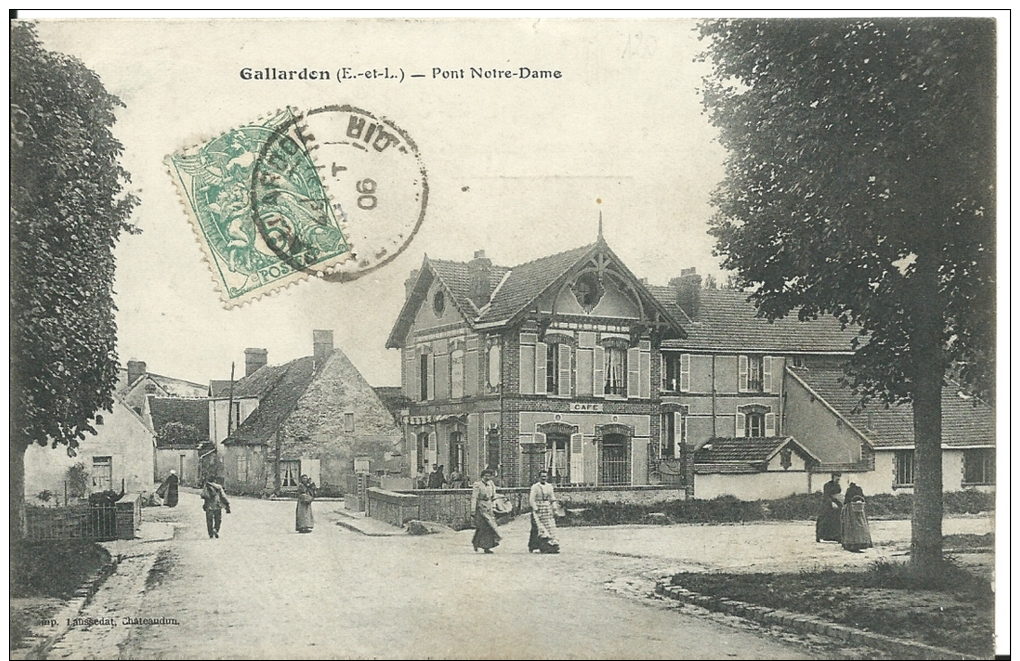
[391, 507]
[453, 506]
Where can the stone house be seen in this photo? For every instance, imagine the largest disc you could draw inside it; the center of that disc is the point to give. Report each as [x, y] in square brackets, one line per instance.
[313, 415]
[552, 363]
[121, 453]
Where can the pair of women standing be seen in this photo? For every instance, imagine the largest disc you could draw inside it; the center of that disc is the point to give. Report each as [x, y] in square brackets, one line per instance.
[846, 521]
[542, 499]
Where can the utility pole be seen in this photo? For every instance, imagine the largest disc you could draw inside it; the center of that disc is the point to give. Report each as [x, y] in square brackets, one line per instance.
[279, 444]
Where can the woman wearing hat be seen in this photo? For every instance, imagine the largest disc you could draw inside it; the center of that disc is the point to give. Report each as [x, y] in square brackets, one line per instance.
[483, 493]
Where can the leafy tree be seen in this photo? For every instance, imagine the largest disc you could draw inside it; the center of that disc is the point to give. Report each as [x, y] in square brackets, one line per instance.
[67, 211]
[860, 183]
[178, 433]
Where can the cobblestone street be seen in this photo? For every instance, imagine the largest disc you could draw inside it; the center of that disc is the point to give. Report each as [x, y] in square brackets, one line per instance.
[261, 590]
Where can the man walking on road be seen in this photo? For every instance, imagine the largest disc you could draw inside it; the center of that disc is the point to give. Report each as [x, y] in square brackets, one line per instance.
[214, 500]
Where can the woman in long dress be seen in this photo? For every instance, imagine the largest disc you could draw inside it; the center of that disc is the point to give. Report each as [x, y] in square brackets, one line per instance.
[855, 531]
[483, 492]
[827, 525]
[543, 519]
[172, 484]
[304, 519]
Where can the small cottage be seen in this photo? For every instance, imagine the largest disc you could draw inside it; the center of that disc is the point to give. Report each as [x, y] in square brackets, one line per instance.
[122, 453]
[314, 416]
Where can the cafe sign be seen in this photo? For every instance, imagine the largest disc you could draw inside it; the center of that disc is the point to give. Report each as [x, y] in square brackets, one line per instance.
[586, 407]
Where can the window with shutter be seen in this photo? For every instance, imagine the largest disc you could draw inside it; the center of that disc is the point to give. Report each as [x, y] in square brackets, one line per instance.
[599, 371]
[742, 374]
[457, 374]
[430, 366]
[442, 376]
[770, 424]
[542, 368]
[563, 381]
[741, 425]
[528, 341]
[766, 374]
[634, 372]
[685, 372]
[576, 459]
[646, 372]
[585, 363]
[471, 365]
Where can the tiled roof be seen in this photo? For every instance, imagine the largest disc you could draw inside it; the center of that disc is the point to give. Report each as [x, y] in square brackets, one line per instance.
[191, 412]
[219, 388]
[174, 387]
[744, 450]
[527, 281]
[179, 387]
[259, 382]
[457, 278]
[279, 387]
[966, 422]
[513, 289]
[727, 321]
[393, 398]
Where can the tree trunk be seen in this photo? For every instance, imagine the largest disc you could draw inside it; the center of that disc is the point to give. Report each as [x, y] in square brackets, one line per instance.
[17, 496]
[929, 370]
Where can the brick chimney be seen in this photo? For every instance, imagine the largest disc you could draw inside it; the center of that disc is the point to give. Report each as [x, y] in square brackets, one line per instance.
[478, 270]
[135, 368]
[688, 292]
[254, 359]
[322, 346]
[409, 283]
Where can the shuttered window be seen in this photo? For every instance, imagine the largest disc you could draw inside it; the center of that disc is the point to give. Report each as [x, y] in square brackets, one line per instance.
[528, 342]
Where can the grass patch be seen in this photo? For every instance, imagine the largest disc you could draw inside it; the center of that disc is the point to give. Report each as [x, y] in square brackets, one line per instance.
[42, 573]
[53, 569]
[952, 608]
[729, 509]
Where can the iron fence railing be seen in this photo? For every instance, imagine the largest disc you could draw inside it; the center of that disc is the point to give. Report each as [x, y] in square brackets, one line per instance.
[90, 521]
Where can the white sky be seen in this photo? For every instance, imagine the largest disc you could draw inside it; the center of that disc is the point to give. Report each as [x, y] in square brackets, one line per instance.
[624, 124]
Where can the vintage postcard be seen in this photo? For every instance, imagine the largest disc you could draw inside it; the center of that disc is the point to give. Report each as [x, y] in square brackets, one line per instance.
[437, 338]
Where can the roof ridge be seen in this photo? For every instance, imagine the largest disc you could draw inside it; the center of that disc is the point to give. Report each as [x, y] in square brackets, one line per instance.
[556, 254]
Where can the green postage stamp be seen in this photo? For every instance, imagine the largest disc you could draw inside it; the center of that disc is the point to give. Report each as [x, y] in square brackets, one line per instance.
[259, 208]
[269, 212]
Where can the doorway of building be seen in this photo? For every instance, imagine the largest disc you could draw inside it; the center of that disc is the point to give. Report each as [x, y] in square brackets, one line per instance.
[614, 462]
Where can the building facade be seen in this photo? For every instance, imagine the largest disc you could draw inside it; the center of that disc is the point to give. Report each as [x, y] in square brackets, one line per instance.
[550, 364]
[315, 415]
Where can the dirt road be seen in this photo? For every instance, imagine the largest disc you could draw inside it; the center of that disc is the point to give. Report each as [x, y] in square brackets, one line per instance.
[262, 590]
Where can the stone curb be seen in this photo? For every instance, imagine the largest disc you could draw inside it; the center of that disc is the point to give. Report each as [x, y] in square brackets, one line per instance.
[362, 525]
[808, 624]
[73, 608]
